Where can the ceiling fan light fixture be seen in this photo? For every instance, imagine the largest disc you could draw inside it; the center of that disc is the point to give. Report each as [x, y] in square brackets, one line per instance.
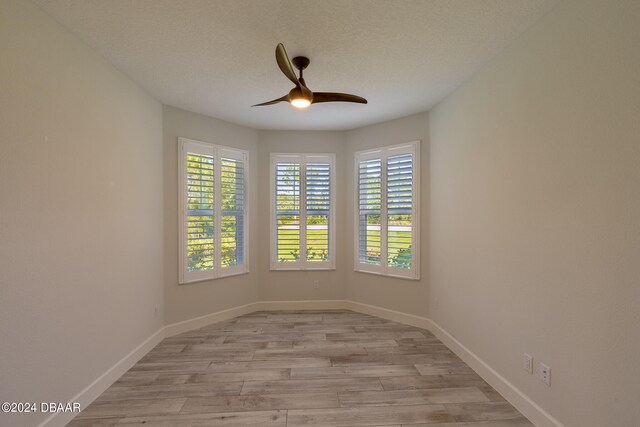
[300, 103]
[298, 98]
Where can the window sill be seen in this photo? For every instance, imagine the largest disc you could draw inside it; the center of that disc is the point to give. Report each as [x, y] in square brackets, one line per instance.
[302, 269]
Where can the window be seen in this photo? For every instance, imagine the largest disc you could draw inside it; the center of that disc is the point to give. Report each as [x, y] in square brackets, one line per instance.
[302, 211]
[213, 211]
[387, 233]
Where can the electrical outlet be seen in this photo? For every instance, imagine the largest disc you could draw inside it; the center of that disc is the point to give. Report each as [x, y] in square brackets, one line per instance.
[527, 363]
[545, 374]
[316, 284]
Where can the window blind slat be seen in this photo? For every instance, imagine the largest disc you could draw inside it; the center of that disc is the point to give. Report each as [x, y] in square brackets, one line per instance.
[399, 211]
[318, 199]
[199, 216]
[369, 201]
[231, 212]
[288, 211]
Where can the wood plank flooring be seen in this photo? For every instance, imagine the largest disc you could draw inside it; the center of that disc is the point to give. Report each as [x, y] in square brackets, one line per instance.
[306, 368]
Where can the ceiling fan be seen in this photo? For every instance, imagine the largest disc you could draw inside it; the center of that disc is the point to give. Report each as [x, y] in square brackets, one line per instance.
[301, 96]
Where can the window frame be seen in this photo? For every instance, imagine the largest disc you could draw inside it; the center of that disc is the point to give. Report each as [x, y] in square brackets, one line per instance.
[302, 159]
[383, 153]
[217, 152]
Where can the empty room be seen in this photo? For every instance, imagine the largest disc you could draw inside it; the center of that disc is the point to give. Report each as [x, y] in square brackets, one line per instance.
[320, 213]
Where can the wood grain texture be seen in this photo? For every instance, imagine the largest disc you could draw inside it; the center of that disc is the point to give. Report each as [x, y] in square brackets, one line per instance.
[515, 422]
[301, 368]
[260, 402]
[328, 384]
[431, 381]
[412, 397]
[308, 362]
[355, 371]
[133, 407]
[222, 419]
[374, 416]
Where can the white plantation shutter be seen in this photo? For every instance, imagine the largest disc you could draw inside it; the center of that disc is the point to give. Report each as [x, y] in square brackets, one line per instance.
[400, 211]
[232, 210]
[302, 211]
[370, 200]
[198, 218]
[318, 209]
[387, 211]
[213, 211]
[288, 211]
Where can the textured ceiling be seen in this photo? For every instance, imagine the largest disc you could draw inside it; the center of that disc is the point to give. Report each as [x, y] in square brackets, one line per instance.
[217, 57]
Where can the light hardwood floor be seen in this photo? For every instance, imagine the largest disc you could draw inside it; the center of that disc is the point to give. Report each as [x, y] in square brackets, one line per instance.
[306, 368]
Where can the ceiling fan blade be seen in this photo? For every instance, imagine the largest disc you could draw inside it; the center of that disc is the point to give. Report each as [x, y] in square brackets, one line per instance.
[305, 89]
[336, 97]
[285, 65]
[275, 101]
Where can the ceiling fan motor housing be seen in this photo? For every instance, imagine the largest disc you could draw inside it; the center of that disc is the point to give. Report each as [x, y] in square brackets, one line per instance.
[301, 62]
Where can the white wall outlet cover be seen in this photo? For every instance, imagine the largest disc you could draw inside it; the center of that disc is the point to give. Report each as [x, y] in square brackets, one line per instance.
[527, 363]
[545, 374]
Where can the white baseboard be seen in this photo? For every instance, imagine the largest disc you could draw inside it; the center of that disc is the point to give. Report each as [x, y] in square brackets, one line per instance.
[518, 399]
[104, 381]
[394, 316]
[208, 319]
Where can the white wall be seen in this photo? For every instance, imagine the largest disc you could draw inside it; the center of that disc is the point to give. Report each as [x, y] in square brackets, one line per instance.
[298, 285]
[407, 296]
[529, 213]
[535, 182]
[80, 212]
[183, 302]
